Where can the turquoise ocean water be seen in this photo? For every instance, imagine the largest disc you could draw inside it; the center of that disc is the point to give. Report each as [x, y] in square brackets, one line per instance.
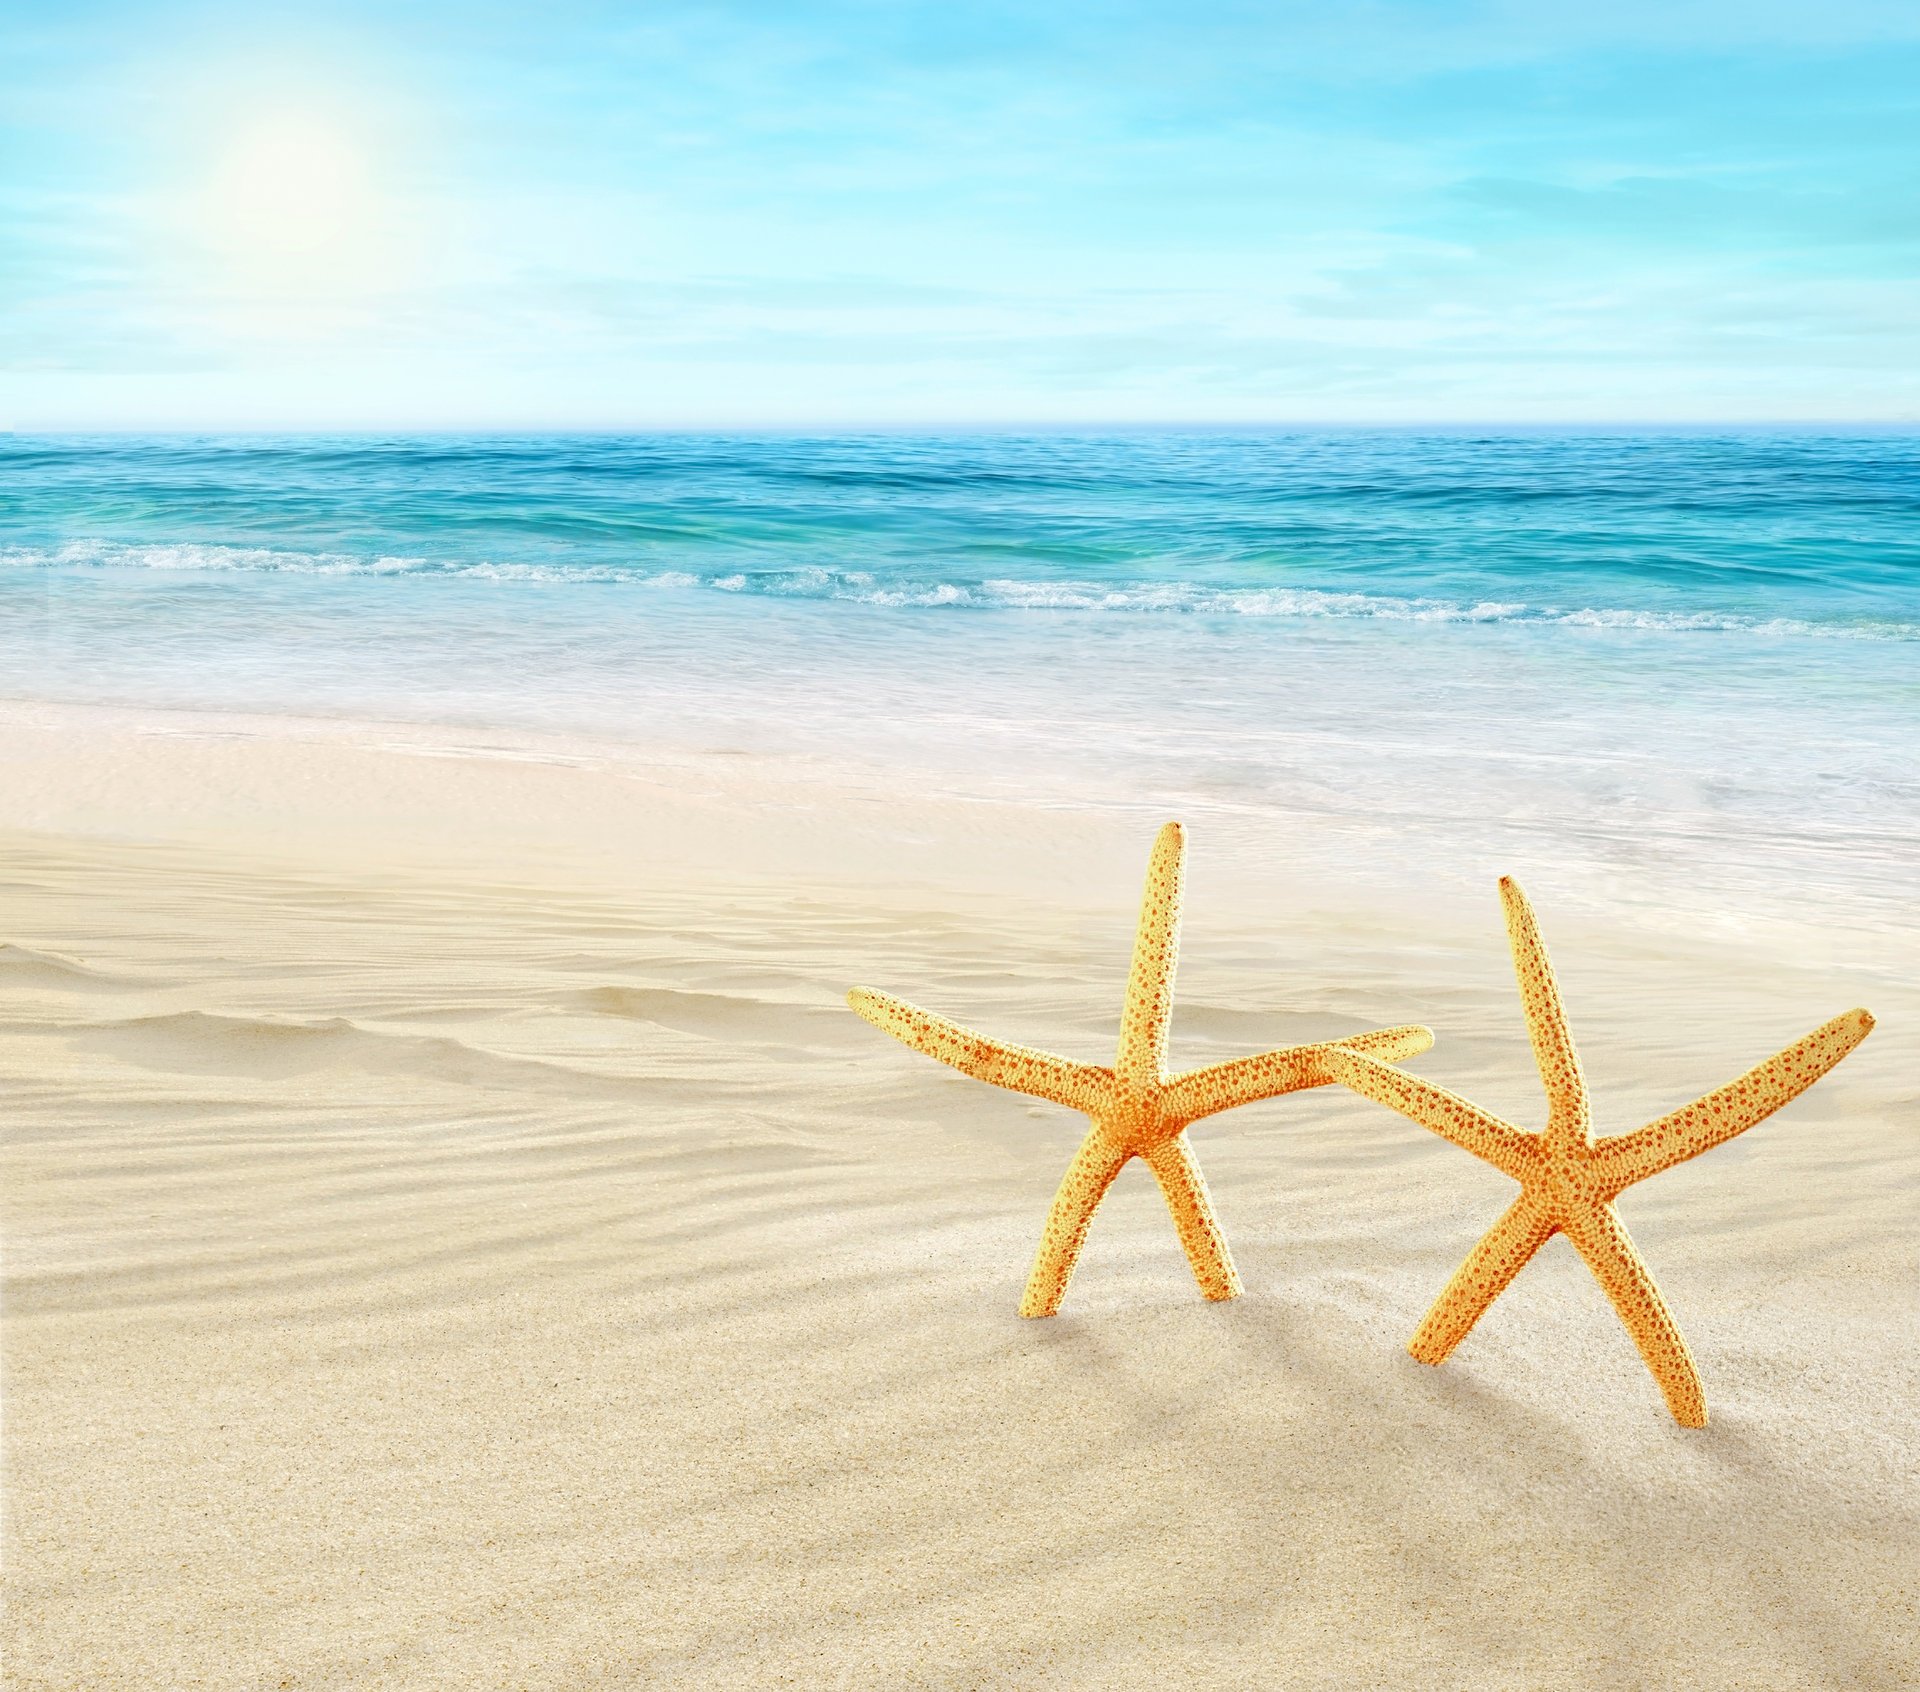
[1666, 650]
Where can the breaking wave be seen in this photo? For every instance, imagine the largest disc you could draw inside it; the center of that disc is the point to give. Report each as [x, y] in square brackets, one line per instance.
[996, 593]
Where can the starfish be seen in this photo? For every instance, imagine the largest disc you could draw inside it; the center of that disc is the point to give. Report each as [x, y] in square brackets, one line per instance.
[1138, 1109]
[1568, 1179]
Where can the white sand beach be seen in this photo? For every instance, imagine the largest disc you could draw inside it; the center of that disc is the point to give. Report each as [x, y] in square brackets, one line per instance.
[457, 1237]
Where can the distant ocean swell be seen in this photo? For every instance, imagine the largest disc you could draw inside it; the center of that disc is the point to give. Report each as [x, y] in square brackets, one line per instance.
[987, 593]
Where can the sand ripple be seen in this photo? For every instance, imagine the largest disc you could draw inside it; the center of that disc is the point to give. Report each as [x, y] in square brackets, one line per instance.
[417, 1283]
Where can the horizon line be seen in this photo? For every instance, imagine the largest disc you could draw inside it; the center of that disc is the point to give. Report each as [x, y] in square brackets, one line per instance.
[897, 426]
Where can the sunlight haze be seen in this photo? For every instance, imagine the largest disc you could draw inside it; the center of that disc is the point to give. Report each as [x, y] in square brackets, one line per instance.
[608, 216]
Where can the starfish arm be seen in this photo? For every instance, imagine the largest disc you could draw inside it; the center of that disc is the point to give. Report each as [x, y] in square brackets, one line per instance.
[1600, 1238]
[1185, 1188]
[1553, 1050]
[1447, 1114]
[1732, 1109]
[1156, 950]
[1504, 1250]
[1019, 1068]
[1087, 1179]
[1222, 1086]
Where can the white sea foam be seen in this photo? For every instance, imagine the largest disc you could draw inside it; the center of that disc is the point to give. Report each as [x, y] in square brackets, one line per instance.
[993, 593]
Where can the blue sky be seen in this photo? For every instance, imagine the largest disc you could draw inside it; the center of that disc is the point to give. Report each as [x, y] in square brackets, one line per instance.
[446, 215]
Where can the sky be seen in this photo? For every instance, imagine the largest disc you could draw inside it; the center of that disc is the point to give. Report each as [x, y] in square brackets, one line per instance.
[460, 214]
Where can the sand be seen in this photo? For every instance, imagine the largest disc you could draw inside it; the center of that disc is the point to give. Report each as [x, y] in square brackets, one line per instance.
[456, 1236]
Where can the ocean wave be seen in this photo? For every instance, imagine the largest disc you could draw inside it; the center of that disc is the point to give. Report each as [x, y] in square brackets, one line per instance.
[990, 593]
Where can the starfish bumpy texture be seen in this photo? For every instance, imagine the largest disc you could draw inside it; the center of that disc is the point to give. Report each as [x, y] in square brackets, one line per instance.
[1138, 1110]
[1569, 1180]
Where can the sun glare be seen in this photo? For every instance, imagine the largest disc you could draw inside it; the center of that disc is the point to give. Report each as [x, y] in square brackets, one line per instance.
[293, 189]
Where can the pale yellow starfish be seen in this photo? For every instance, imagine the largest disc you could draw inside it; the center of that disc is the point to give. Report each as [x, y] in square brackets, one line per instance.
[1569, 1180]
[1138, 1110]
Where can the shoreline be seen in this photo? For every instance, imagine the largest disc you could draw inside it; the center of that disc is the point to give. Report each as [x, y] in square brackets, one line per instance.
[449, 794]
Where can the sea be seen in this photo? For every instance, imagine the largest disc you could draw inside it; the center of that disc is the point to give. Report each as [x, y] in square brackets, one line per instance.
[1681, 663]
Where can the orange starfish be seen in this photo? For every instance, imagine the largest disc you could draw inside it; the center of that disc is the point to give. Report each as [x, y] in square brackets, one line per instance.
[1138, 1110]
[1569, 1180]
